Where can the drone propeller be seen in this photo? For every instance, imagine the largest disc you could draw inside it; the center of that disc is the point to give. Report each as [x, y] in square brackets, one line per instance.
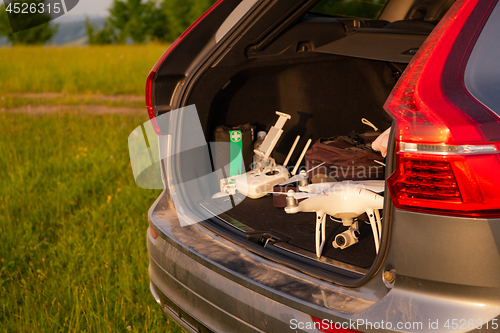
[298, 195]
[297, 178]
[219, 195]
[301, 176]
[376, 186]
[317, 188]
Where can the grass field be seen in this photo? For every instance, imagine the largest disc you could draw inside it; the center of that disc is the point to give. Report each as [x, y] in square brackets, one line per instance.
[72, 221]
[108, 70]
[72, 227]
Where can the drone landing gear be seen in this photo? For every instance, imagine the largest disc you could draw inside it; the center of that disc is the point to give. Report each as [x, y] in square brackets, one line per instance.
[320, 232]
[349, 237]
[346, 203]
[376, 225]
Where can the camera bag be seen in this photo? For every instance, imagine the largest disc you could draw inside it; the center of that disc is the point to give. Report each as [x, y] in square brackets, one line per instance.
[346, 158]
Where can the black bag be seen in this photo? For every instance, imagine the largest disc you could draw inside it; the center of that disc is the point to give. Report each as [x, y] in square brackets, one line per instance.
[222, 156]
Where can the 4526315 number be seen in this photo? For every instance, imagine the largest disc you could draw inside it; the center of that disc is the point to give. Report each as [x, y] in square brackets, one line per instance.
[32, 8]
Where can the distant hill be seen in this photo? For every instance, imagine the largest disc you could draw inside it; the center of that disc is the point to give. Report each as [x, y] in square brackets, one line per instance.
[71, 30]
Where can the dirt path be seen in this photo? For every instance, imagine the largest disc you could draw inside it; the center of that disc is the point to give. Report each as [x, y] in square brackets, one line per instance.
[91, 109]
[78, 105]
[104, 98]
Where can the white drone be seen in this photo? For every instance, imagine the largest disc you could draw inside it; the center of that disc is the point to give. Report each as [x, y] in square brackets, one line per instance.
[344, 200]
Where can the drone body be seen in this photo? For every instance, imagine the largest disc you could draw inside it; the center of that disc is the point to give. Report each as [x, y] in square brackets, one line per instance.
[345, 201]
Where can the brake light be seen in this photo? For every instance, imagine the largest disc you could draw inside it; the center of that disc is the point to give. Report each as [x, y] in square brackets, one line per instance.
[150, 79]
[331, 327]
[447, 143]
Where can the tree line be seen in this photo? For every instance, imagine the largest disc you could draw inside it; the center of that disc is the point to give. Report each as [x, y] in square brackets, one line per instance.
[142, 21]
[139, 21]
[149, 20]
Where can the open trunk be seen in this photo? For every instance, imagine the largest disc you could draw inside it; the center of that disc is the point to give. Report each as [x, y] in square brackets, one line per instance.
[328, 74]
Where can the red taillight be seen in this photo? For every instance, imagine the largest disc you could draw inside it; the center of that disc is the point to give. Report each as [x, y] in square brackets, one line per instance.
[447, 143]
[149, 81]
[330, 327]
[427, 179]
[149, 85]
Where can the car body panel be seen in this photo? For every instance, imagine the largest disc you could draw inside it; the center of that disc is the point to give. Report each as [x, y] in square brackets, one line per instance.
[201, 272]
[438, 248]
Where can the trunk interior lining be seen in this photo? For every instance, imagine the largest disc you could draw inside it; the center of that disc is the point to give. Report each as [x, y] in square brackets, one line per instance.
[298, 229]
[326, 95]
[324, 98]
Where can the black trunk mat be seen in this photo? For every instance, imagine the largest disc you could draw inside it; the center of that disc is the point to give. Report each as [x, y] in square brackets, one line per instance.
[260, 214]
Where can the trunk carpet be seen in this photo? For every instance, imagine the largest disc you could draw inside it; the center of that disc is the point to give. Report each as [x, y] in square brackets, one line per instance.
[260, 214]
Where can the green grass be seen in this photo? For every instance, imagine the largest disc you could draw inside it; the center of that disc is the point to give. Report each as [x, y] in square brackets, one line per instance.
[73, 227]
[109, 70]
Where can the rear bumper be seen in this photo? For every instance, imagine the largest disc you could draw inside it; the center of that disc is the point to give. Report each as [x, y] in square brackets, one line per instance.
[206, 283]
[249, 311]
[215, 284]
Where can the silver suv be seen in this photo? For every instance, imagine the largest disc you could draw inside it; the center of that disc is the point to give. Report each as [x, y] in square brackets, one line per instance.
[427, 69]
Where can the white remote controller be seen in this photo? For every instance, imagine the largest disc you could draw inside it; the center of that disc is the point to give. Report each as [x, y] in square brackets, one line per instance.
[256, 184]
[259, 182]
